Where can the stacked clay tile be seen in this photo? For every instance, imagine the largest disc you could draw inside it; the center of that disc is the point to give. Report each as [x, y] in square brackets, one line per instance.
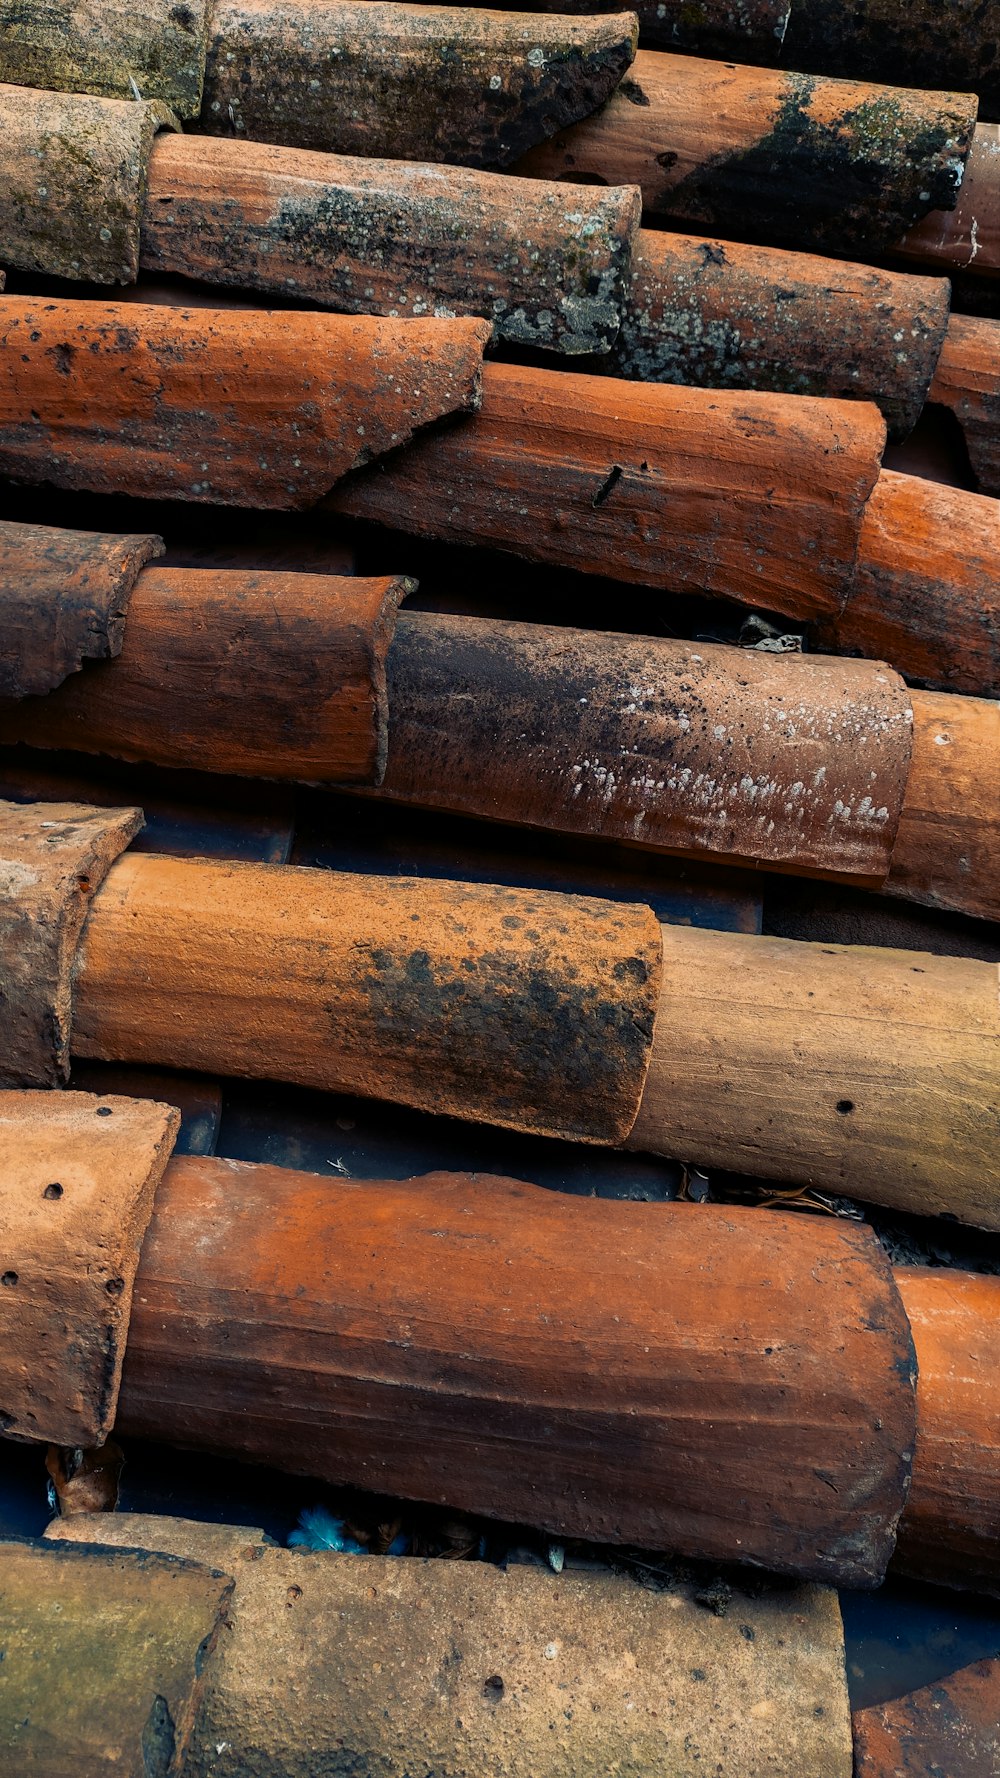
[500, 640]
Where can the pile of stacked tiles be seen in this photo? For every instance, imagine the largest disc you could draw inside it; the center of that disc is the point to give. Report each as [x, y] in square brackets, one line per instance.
[649, 852]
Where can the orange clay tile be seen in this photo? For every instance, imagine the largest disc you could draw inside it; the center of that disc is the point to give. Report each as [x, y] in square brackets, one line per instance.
[225, 670]
[413, 82]
[948, 839]
[799, 762]
[544, 263]
[926, 593]
[233, 406]
[52, 858]
[723, 1383]
[951, 1728]
[967, 381]
[721, 315]
[794, 160]
[529, 1010]
[77, 1178]
[759, 498]
[965, 239]
[949, 1529]
[63, 598]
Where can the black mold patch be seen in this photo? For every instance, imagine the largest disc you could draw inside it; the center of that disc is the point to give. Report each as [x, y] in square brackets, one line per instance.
[858, 181]
[553, 1034]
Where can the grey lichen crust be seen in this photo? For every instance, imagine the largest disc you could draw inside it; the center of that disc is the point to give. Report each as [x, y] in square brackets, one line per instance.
[73, 175]
[409, 81]
[543, 262]
[118, 49]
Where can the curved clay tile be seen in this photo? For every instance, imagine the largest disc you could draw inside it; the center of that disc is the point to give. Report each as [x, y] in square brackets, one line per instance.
[721, 315]
[232, 406]
[952, 1726]
[799, 761]
[544, 263]
[751, 496]
[52, 858]
[140, 1625]
[751, 31]
[533, 1011]
[73, 174]
[873, 1070]
[948, 1531]
[967, 380]
[794, 160]
[410, 81]
[63, 598]
[926, 594]
[77, 1178]
[965, 239]
[120, 49]
[698, 1340]
[231, 670]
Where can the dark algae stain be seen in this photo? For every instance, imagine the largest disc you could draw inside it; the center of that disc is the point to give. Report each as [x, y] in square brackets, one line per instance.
[548, 1028]
[857, 178]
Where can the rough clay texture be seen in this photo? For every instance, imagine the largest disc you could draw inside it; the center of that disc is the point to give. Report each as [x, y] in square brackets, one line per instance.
[871, 1071]
[948, 839]
[273, 675]
[717, 750]
[543, 263]
[416, 82]
[926, 593]
[105, 1654]
[231, 406]
[948, 1532]
[758, 498]
[967, 238]
[63, 599]
[73, 173]
[340, 1664]
[534, 1011]
[77, 1177]
[104, 46]
[52, 858]
[719, 1384]
[967, 380]
[951, 1728]
[838, 166]
[724, 316]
